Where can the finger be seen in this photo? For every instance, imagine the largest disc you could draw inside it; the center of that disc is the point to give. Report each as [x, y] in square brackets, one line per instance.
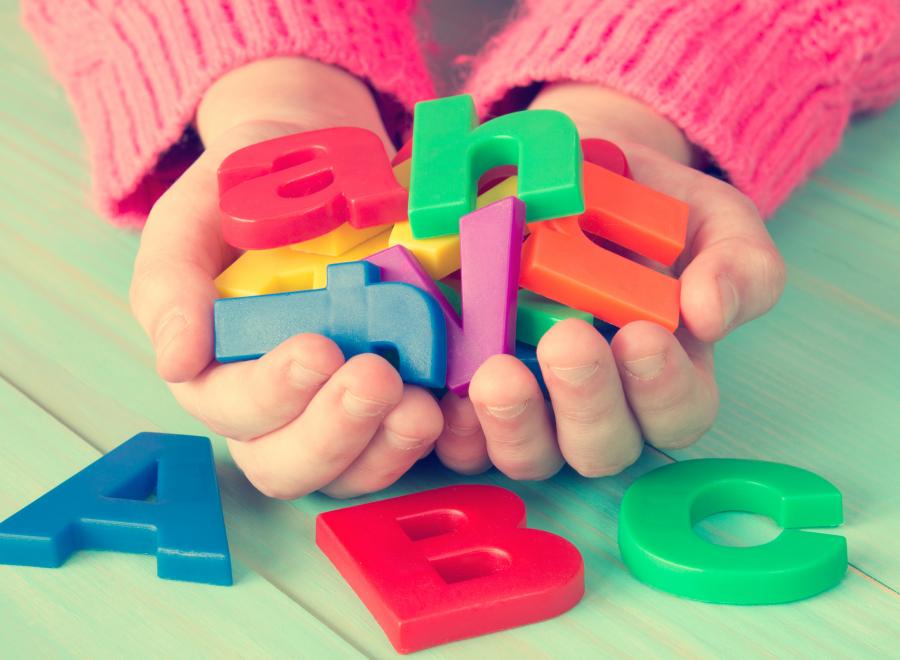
[181, 252]
[731, 271]
[173, 301]
[671, 390]
[596, 431]
[406, 435]
[461, 445]
[314, 449]
[244, 400]
[736, 275]
[514, 417]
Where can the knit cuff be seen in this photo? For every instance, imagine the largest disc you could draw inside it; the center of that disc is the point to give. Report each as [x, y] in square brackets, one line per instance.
[765, 87]
[135, 71]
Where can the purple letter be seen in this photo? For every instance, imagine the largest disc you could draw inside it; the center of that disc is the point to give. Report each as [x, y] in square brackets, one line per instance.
[490, 252]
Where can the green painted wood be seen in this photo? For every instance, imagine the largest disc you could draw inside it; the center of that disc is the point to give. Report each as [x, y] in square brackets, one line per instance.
[813, 384]
[816, 382]
[104, 604]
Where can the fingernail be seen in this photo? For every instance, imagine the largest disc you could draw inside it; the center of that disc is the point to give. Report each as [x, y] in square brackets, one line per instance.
[646, 368]
[303, 377]
[576, 375]
[729, 299]
[507, 412]
[168, 330]
[359, 407]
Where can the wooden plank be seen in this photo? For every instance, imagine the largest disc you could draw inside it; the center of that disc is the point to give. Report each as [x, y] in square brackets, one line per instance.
[815, 382]
[69, 343]
[104, 604]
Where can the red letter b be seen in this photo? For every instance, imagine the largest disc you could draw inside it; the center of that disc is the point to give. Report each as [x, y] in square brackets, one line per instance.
[450, 563]
[297, 187]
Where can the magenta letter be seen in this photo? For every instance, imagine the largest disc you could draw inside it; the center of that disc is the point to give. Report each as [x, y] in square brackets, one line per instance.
[490, 252]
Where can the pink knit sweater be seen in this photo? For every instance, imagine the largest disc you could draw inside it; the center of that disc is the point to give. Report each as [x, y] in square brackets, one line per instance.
[765, 86]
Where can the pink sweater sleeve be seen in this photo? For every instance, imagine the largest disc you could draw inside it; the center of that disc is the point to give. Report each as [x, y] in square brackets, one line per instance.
[136, 70]
[765, 86]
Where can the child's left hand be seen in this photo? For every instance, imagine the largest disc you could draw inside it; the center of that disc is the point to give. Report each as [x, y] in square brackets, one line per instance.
[646, 383]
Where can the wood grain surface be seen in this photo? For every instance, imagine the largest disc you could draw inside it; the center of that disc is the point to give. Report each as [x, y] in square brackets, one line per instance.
[816, 383]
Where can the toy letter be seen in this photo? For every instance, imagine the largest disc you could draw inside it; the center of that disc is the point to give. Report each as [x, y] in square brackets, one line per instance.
[560, 262]
[104, 507]
[300, 186]
[490, 246]
[450, 563]
[659, 545]
[449, 154]
[358, 311]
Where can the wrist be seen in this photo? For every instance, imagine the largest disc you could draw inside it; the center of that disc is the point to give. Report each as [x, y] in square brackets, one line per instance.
[605, 113]
[292, 90]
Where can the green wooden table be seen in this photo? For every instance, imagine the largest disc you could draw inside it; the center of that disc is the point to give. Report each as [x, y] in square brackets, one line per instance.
[816, 383]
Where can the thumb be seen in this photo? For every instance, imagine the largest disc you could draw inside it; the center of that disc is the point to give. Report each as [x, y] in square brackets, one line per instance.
[181, 253]
[736, 273]
[182, 249]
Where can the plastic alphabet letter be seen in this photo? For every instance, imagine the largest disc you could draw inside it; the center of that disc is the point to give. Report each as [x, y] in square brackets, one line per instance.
[599, 152]
[449, 154]
[536, 315]
[659, 545]
[488, 180]
[257, 272]
[606, 154]
[338, 241]
[440, 256]
[346, 237]
[560, 262]
[105, 507]
[297, 187]
[634, 216]
[358, 311]
[526, 353]
[490, 249]
[450, 563]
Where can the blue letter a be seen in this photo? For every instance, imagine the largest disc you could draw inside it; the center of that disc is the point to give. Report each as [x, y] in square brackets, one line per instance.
[109, 505]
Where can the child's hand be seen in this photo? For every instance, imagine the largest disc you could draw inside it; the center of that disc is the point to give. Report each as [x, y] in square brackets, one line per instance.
[300, 418]
[647, 383]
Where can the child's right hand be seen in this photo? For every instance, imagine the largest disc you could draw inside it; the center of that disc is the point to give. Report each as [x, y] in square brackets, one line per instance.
[300, 418]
